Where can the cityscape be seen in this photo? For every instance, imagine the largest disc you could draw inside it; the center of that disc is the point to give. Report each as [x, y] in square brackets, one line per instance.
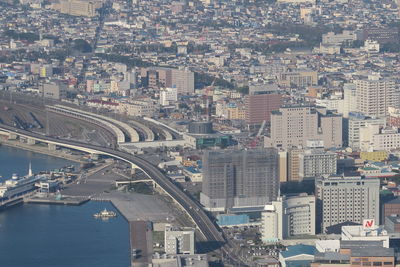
[200, 133]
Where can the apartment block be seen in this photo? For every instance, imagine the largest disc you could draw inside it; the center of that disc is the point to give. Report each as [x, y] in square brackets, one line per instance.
[315, 163]
[375, 95]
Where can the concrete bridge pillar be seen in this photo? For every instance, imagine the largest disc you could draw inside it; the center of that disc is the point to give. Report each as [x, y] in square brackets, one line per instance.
[31, 141]
[12, 136]
[52, 147]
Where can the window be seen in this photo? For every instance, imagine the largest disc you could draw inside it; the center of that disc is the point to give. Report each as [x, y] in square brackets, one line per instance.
[377, 263]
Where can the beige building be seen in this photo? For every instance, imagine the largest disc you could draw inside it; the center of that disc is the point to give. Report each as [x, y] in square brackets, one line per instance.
[283, 166]
[299, 78]
[294, 164]
[140, 108]
[293, 126]
[78, 7]
[375, 137]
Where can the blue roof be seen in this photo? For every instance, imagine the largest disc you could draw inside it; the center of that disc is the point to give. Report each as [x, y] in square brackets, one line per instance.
[298, 250]
[192, 169]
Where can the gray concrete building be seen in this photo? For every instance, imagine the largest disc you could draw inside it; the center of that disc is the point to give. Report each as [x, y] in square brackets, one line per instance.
[346, 199]
[316, 162]
[239, 178]
[179, 240]
[54, 90]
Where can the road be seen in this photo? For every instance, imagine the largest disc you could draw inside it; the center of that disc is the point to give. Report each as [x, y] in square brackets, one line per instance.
[209, 229]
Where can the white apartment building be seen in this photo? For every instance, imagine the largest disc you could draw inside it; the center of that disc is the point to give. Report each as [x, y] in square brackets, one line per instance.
[375, 95]
[168, 96]
[288, 217]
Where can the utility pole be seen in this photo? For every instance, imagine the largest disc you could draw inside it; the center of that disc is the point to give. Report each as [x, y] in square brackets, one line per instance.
[47, 123]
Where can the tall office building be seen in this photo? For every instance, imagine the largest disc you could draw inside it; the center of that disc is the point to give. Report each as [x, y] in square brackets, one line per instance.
[346, 199]
[244, 178]
[289, 216]
[260, 104]
[179, 240]
[375, 95]
[295, 125]
[183, 80]
[316, 162]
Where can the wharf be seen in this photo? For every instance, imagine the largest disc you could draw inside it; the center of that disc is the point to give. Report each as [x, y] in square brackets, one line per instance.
[74, 201]
[141, 238]
[9, 203]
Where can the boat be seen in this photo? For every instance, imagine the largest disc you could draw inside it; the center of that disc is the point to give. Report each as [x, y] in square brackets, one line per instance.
[105, 214]
[19, 186]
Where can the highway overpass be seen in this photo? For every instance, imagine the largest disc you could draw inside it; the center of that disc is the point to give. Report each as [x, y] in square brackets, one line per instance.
[205, 225]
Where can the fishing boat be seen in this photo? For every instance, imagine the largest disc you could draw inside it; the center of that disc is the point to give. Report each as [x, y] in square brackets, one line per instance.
[105, 214]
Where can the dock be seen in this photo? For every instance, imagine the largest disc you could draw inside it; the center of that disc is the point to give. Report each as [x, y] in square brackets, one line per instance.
[12, 202]
[141, 239]
[74, 201]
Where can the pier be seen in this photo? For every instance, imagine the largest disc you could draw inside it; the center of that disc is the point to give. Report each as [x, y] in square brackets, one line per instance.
[142, 240]
[74, 201]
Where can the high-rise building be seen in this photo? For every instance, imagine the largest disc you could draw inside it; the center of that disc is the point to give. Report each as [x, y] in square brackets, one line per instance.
[260, 106]
[179, 240]
[288, 217]
[294, 164]
[346, 199]
[375, 95]
[295, 125]
[314, 163]
[244, 178]
[183, 80]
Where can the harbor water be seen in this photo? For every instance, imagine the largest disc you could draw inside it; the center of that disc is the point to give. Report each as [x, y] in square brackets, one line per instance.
[33, 235]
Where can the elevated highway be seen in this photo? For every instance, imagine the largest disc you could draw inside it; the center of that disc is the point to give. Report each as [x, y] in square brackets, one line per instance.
[133, 134]
[205, 225]
[77, 114]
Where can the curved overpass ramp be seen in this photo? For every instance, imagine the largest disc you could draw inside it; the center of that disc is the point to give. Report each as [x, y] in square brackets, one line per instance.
[133, 134]
[149, 133]
[80, 115]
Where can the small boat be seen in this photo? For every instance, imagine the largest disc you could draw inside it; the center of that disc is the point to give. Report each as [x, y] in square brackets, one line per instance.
[105, 214]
